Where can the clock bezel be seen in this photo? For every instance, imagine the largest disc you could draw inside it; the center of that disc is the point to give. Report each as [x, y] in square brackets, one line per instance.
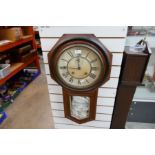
[89, 40]
[84, 45]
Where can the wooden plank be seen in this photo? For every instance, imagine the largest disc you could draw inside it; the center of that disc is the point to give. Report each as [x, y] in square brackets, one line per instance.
[68, 126]
[100, 109]
[100, 100]
[102, 117]
[112, 83]
[99, 117]
[14, 44]
[104, 92]
[114, 45]
[104, 110]
[55, 89]
[115, 70]
[107, 92]
[92, 123]
[99, 31]
[57, 106]
[105, 101]
[56, 98]
[117, 58]
[58, 113]
[15, 68]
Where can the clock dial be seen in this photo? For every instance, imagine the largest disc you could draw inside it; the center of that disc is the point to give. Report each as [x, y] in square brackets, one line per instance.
[79, 66]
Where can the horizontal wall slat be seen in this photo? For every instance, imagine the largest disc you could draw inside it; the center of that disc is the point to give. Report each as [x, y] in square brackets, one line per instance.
[56, 98]
[99, 31]
[100, 100]
[103, 92]
[55, 89]
[113, 45]
[104, 110]
[100, 109]
[112, 83]
[92, 123]
[105, 101]
[50, 80]
[115, 70]
[106, 92]
[117, 58]
[67, 126]
[101, 117]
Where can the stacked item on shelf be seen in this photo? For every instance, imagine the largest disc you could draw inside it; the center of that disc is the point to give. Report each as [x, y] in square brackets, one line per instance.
[5, 61]
[24, 53]
[19, 55]
[8, 35]
[11, 89]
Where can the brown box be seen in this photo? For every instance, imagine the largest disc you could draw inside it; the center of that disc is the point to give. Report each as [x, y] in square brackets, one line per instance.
[12, 34]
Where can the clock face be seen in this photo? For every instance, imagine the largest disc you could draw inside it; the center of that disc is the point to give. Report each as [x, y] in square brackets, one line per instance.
[79, 66]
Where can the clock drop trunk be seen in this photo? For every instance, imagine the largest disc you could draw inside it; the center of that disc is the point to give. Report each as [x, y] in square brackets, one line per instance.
[79, 107]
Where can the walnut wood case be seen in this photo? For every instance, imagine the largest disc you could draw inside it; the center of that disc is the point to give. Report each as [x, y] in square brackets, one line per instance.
[92, 110]
[106, 57]
[132, 73]
[72, 39]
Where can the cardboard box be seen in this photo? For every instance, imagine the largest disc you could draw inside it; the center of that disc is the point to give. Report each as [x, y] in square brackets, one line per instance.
[12, 34]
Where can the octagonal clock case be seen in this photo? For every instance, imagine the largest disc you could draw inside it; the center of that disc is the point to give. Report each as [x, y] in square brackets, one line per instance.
[80, 63]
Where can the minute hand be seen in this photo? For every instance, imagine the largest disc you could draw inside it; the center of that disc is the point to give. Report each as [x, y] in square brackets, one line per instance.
[78, 60]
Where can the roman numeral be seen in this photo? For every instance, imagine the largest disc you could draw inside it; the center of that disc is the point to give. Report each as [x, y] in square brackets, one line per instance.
[64, 60]
[87, 54]
[94, 68]
[63, 67]
[79, 82]
[70, 53]
[65, 74]
[87, 81]
[71, 80]
[93, 61]
[93, 76]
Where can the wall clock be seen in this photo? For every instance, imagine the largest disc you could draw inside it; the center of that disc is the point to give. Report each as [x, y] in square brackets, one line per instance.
[80, 63]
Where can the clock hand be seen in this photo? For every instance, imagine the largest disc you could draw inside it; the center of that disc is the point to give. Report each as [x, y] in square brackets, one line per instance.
[78, 60]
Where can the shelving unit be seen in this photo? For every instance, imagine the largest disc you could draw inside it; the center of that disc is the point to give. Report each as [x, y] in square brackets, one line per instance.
[28, 38]
[8, 46]
[38, 43]
[16, 67]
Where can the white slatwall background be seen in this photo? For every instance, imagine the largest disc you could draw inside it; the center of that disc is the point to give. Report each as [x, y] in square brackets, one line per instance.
[114, 39]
